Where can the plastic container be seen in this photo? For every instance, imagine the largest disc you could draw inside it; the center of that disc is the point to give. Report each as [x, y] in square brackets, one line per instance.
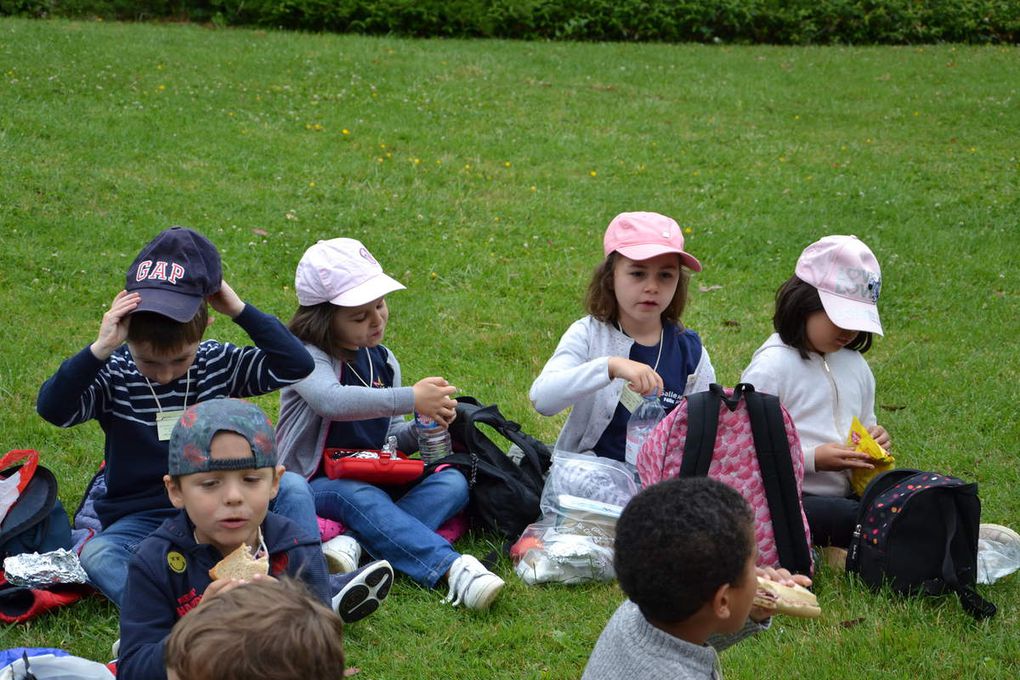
[642, 421]
[433, 439]
[587, 517]
[377, 467]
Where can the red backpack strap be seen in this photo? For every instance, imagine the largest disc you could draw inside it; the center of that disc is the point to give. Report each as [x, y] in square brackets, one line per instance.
[29, 458]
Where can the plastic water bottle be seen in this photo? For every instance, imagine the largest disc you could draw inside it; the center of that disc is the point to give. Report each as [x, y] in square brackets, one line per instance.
[433, 439]
[642, 421]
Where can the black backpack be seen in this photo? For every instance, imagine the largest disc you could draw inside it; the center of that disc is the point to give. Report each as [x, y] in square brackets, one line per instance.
[37, 521]
[504, 494]
[918, 532]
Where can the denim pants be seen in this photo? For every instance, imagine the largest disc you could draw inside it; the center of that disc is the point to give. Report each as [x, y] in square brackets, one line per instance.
[402, 531]
[105, 557]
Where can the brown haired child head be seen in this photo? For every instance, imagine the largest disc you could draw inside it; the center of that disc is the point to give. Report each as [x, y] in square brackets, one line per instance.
[262, 630]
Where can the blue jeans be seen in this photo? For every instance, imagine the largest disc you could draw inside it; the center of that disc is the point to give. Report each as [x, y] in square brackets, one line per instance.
[105, 557]
[402, 531]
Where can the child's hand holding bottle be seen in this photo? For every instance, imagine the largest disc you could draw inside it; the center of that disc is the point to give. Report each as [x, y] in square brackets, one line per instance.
[432, 399]
[642, 378]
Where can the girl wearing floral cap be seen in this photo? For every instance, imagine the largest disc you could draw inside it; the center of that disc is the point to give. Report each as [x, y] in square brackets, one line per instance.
[826, 314]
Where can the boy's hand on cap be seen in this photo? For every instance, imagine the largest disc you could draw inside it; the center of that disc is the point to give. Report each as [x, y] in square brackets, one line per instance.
[226, 301]
[114, 328]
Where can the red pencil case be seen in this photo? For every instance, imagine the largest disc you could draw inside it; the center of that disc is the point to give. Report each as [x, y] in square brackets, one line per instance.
[386, 469]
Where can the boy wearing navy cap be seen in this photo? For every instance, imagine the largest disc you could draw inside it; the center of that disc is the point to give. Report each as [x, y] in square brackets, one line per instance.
[146, 366]
[223, 472]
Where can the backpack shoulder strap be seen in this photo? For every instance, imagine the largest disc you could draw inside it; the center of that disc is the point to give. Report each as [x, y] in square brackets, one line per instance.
[970, 600]
[773, 450]
[702, 428]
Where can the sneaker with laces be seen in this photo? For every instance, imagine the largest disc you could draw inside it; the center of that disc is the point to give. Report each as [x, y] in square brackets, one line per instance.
[471, 584]
[361, 592]
[342, 554]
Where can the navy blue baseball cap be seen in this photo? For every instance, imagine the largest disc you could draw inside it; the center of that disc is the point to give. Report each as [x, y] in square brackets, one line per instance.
[174, 273]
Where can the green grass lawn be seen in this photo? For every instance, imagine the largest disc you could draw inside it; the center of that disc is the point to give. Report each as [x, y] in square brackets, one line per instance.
[482, 175]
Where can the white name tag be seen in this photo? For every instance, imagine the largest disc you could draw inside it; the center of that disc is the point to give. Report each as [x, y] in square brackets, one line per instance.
[630, 399]
[165, 421]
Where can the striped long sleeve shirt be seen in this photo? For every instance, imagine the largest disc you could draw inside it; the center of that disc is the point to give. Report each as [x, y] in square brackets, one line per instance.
[126, 404]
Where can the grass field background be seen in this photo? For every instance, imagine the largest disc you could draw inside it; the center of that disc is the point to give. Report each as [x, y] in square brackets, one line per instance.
[482, 175]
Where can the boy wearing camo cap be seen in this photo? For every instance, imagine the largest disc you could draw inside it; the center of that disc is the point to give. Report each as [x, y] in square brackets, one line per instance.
[223, 473]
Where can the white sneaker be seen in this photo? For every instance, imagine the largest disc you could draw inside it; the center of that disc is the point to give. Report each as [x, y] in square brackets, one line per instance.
[115, 649]
[342, 554]
[471, 584]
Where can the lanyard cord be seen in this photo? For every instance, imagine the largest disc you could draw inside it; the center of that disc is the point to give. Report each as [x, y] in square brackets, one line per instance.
[662, 332]
[187, 389]
[371, 370]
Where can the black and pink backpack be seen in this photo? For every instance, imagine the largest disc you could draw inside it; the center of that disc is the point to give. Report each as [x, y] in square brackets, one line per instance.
[746, 440]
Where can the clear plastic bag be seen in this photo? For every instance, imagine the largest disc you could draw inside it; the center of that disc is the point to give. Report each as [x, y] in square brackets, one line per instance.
[573, 542]
[998, 553]
[546, 553]
[51, 667]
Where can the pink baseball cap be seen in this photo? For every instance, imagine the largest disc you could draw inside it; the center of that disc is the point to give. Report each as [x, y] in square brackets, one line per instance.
[341, 271]
[643, 235]
[848, 279]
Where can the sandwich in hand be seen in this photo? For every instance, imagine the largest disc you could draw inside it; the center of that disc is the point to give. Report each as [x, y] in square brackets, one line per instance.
[791, 600]
[240, 565]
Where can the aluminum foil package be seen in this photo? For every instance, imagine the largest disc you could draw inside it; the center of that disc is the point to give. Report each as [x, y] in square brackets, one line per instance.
[32, 570]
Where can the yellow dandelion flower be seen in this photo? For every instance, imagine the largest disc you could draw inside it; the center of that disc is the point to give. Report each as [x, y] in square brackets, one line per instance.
[534, 188]
[311, 184]
[688, 230]
[506, 164]
[417, 161]
[592, 173]
[345, 131]
[161, 88]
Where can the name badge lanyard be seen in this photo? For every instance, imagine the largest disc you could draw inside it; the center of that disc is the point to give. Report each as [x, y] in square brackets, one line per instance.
[628, 397]
[371, 370]
[165, 421]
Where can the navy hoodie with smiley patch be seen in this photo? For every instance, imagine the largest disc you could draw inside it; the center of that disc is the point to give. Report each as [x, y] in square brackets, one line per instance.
[170, 571]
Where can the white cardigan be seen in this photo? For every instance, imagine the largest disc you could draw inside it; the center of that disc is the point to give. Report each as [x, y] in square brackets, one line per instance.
[577, 374]
[821, 402]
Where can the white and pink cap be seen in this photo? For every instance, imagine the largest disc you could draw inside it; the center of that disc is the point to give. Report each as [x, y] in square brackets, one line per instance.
[848, 279]
[341, 271]
[644, 235]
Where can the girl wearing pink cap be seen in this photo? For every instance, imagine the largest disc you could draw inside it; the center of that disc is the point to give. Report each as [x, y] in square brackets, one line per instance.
[632, 341]
[825, 317]
[354, 400]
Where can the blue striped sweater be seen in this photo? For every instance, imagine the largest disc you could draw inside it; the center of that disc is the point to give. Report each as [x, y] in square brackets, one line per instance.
[115, 394]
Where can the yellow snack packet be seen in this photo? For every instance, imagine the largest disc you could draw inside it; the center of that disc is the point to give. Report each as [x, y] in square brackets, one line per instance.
[865, 443]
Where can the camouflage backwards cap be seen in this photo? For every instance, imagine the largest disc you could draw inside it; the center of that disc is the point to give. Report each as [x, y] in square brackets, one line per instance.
[193, 434]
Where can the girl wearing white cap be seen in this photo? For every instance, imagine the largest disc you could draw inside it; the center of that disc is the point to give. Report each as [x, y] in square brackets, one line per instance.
[354, 400]
[632, 342]
[825, 317]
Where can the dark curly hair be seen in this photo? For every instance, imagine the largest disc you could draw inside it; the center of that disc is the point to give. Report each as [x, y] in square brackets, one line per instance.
[678, 541]
[796, 300]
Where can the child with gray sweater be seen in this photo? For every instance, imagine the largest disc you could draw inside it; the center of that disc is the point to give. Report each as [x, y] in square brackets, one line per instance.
[685, 557]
